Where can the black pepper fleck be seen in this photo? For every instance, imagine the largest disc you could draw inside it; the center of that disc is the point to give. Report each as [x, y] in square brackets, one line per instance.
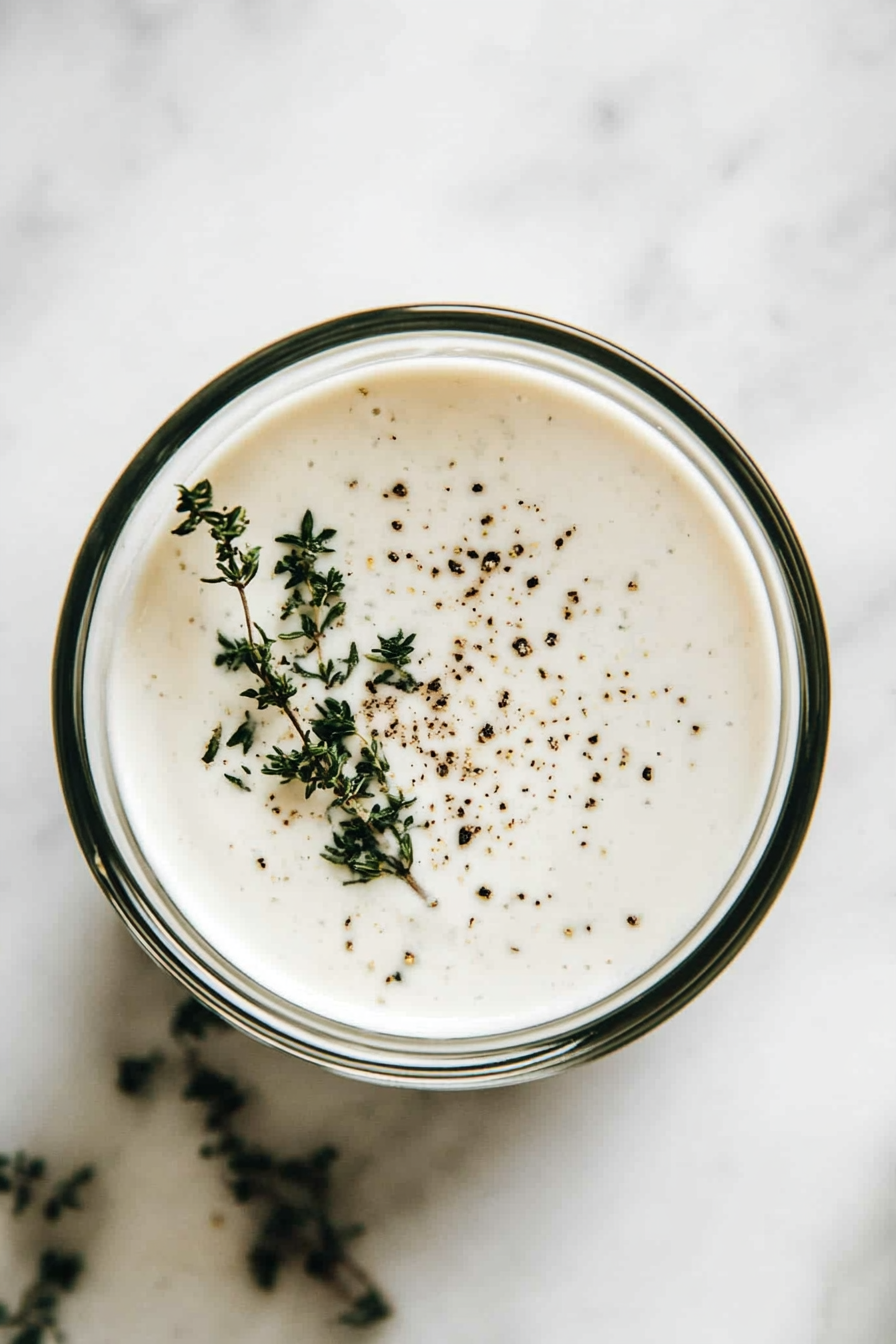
[522, 647]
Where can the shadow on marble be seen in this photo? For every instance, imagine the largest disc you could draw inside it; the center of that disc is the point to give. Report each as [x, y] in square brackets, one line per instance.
[400, 1149]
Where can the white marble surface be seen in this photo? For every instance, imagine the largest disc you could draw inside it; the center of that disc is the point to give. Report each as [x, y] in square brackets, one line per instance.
[708, 183]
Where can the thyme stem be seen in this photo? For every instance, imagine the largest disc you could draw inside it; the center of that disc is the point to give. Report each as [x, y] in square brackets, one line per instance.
[259, 669]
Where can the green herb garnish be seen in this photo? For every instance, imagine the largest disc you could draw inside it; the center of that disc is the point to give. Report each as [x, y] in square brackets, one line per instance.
[244, 735]
[373, 837]
[211, 749]
[317, 598]
[395, 654]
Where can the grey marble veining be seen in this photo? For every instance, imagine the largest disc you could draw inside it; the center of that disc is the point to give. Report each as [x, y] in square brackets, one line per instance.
[710, 185]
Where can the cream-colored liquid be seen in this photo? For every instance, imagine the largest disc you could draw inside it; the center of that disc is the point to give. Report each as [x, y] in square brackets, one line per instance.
[611, 778]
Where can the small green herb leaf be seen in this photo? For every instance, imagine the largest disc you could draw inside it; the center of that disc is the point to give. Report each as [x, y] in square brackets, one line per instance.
[61, 1269]
[67, 1194]
[219, 1094]
[211, 749]
[368, 1309]
[244, 735]
[264, 1265]
[136, 1072]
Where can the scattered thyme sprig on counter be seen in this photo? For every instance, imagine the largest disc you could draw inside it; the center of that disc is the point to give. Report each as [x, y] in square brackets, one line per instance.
[291, 1196]
[36, 1316]
[373, 838]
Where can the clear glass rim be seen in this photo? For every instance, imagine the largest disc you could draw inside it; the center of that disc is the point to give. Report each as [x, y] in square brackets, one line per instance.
[484, 1061]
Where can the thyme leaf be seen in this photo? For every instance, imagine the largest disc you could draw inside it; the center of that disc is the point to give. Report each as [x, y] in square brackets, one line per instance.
[211, 749]
[244, 735]
[67, 1194]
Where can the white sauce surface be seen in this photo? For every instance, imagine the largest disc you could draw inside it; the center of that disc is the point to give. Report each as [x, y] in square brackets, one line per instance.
[599, 855]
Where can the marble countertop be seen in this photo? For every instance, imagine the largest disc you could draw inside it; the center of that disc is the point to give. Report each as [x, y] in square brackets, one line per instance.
[711, 185]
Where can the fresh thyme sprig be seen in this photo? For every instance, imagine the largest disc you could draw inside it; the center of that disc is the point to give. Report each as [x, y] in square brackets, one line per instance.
[317, 597]
[395, 653]
[357, 841]
[237, 567]
[373, 837]
[36, 1317]
[291, 1196]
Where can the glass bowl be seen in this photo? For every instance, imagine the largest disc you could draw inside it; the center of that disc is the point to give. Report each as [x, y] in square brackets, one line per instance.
[118, 536]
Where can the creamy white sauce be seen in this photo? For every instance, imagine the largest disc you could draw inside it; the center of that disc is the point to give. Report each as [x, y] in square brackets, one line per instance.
[611, 778]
